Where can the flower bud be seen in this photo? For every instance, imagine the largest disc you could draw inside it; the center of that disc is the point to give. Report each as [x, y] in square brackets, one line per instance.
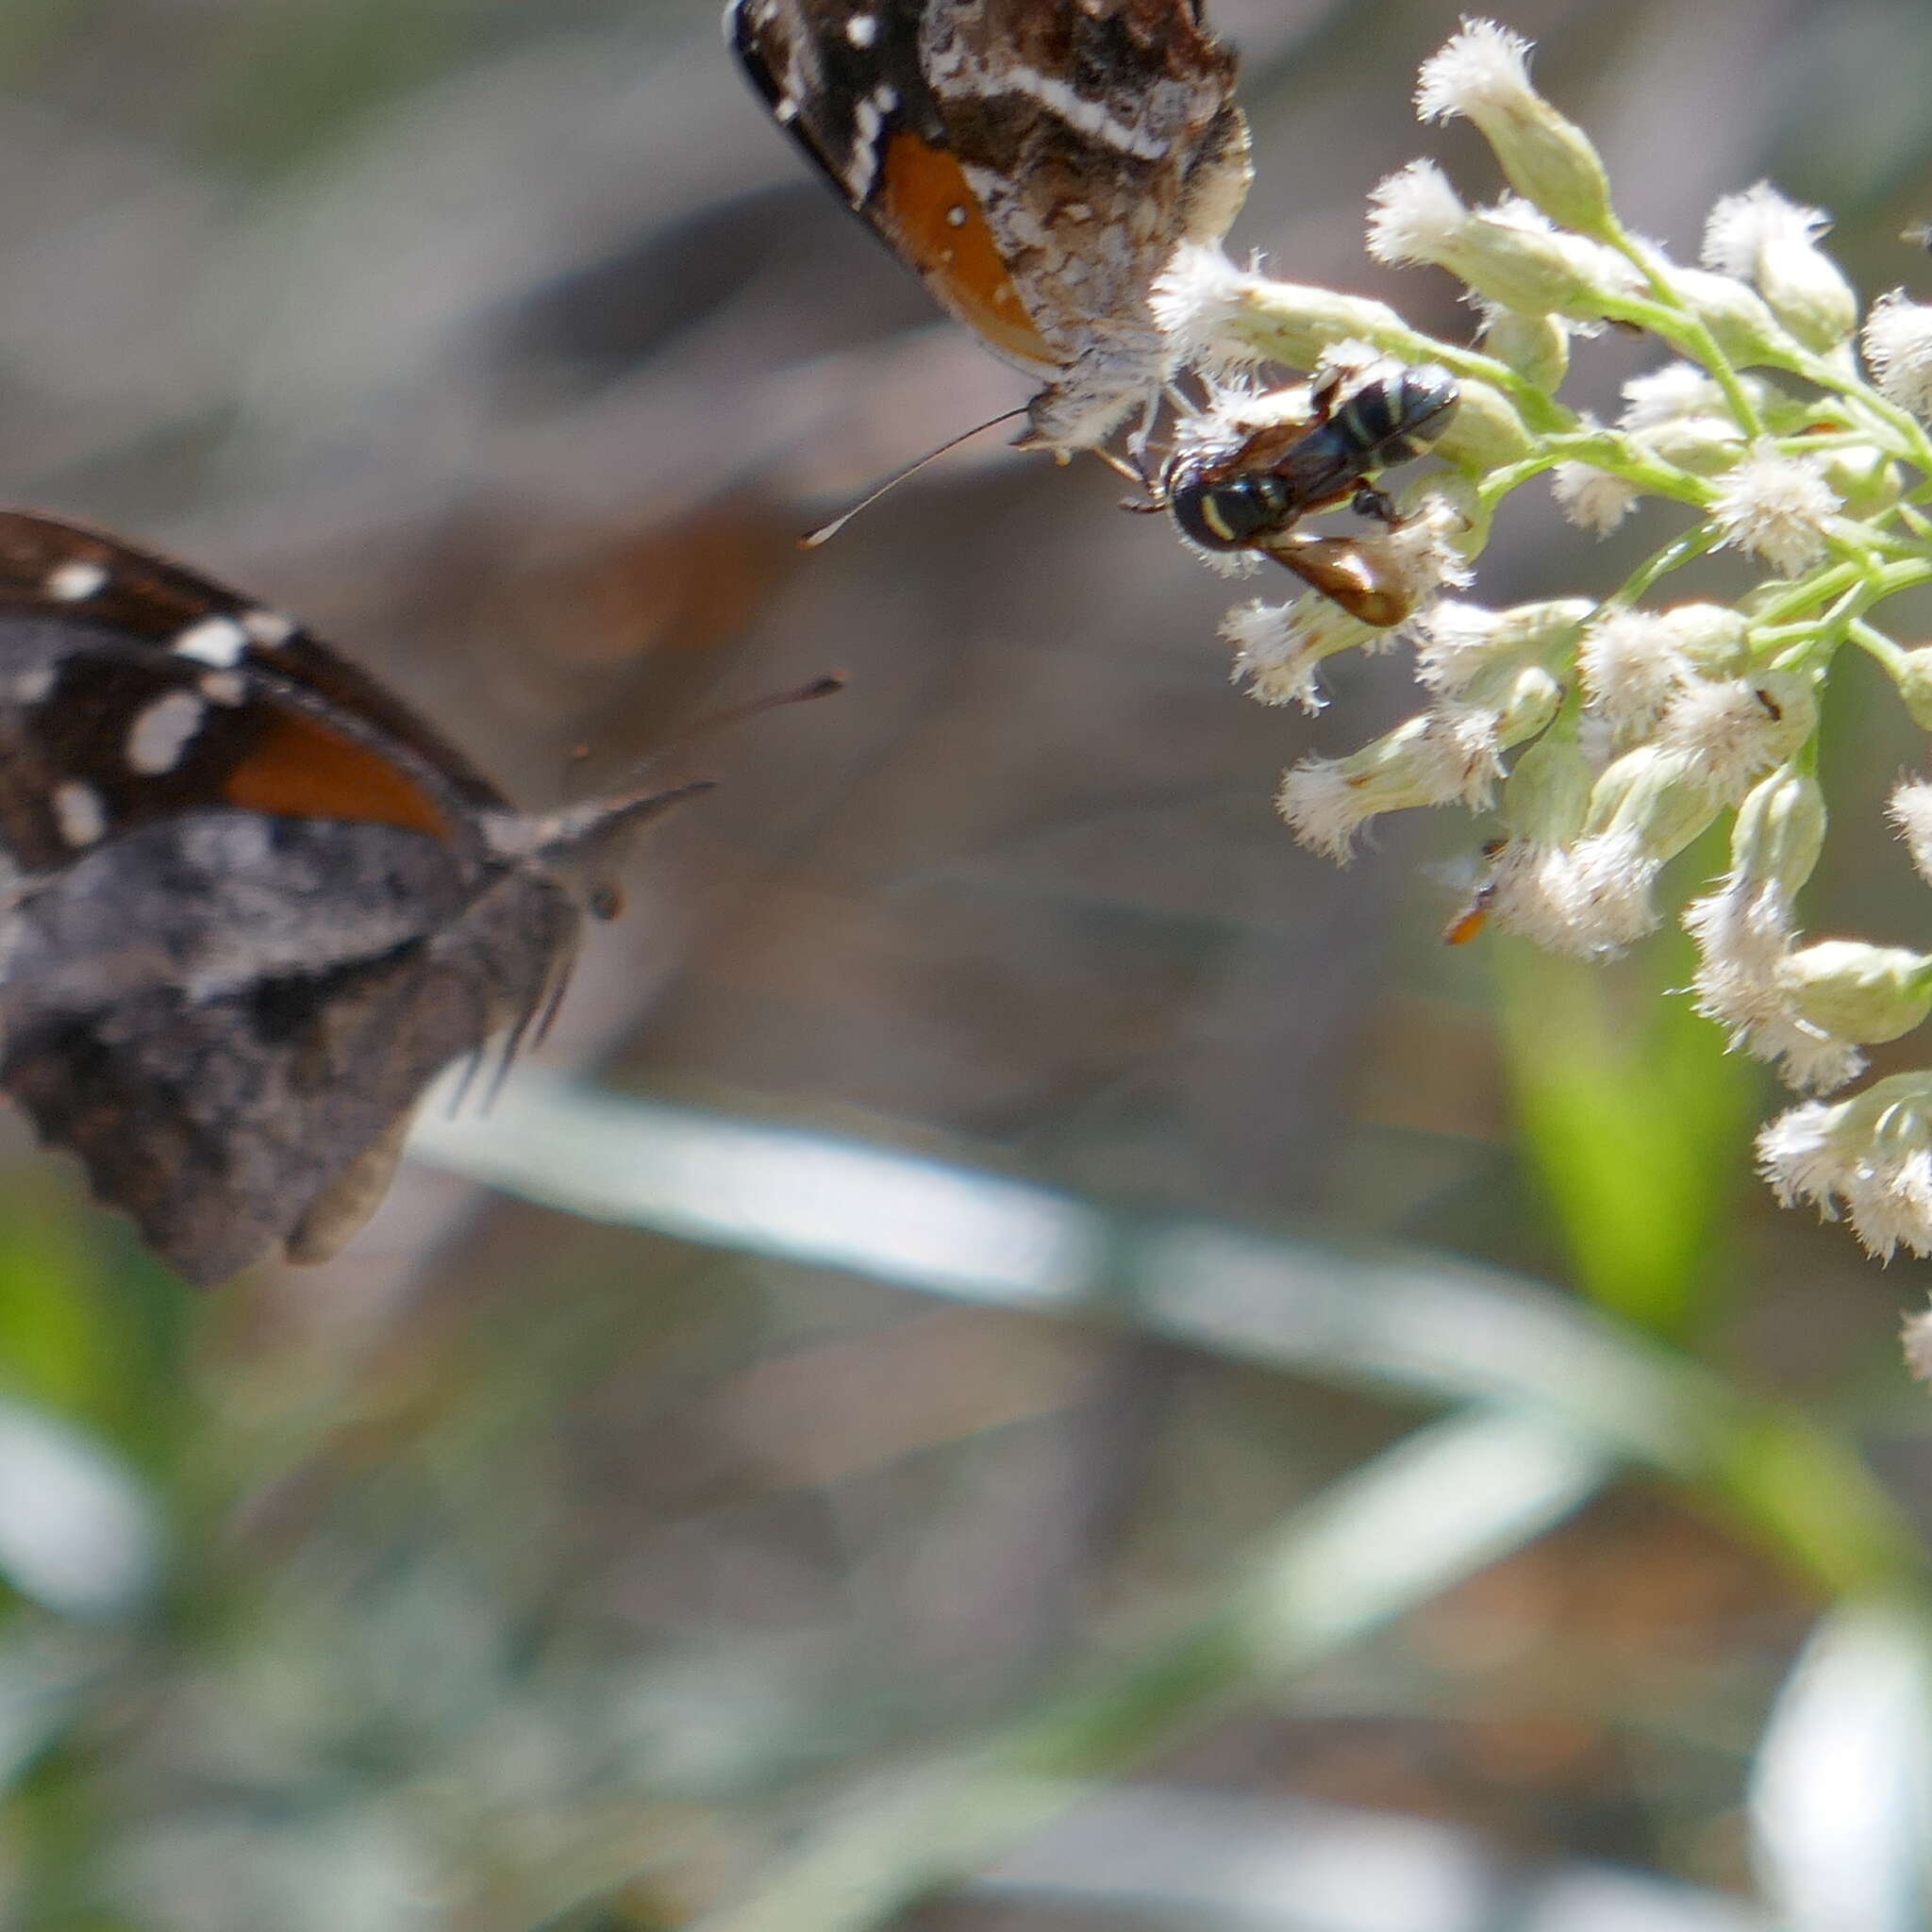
[1508, 254]
[1546, 795]
[1865, 479]
[1857, 992]
[1218, 317]
[1705, 446]
[1778, 833]
[1484, 73]
[1485, 432]
[1710, 636]
[1738, 318]
[1535, 346]
[1523, 699]
[1763, 238]
[1915, 676]
[1655, 798]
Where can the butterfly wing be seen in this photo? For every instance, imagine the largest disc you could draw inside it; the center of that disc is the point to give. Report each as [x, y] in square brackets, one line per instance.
[54, 569]
[249, 903]
[266, 1118]
[1038, 165]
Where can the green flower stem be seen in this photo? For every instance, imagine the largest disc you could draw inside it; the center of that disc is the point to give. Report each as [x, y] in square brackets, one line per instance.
[1605, 450]
[1874, 643]
[1783, 602]
[1539, 411]
[1915, 444]
[1670, 319]
[1679, 551]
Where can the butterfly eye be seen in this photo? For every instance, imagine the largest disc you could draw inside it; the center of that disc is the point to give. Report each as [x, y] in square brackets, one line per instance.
[604, 902]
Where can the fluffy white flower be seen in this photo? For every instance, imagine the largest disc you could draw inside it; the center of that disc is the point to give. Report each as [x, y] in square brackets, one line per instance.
[1776, 507]
[1457, 641]
[1483, 67]
[1416, 216]
[1448, 755]
[1484, 73]
[1743, 229]
[1763, 238]
[1910, 810]
[1593, 499]
[1199, 303]
[1745, 938]
[1606, 882]
[1279, 647]
[1323, 808]
[1664, 395]
[1632, 663]
[1870, 1156]
[1736, 729]
[1531, 891]
[1898, 345]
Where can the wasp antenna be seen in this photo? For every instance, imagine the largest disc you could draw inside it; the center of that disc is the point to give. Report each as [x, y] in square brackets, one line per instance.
[826, 532]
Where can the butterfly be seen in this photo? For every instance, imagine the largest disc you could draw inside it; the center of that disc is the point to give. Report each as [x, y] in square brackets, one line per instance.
[250, 902]
[1037, 162]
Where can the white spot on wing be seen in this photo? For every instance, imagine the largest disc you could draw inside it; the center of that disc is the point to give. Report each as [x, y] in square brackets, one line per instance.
[862, 30]
[161, 732]
[867, 120]
[222, 687]
[217, 641]
[79, 813]
[31, 687]
[76, 580]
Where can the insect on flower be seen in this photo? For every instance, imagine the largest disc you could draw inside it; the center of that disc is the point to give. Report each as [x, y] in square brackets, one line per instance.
[1249, 487]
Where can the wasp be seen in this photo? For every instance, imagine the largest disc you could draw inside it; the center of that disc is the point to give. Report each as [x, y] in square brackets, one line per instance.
[1251, 496]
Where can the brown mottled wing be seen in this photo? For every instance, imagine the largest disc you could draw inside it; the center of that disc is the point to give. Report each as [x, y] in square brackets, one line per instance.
[1098, 136]
[234, 1128]
[1035, 161]
[842, 77]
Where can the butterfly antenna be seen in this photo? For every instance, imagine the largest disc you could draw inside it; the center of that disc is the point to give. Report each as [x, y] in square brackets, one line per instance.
[827, 531]
[715, 721]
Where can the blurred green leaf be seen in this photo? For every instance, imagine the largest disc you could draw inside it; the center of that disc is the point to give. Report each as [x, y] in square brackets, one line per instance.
[1635, 1121]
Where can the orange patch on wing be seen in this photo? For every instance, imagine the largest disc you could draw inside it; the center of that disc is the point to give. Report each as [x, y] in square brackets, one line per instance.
[300, 769]
[936, 222]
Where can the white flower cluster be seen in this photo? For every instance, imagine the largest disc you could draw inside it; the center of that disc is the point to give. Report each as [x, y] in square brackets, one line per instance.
[1610, 732]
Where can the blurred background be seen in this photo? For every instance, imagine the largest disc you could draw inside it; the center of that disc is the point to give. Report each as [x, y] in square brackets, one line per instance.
[1113, 1384]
